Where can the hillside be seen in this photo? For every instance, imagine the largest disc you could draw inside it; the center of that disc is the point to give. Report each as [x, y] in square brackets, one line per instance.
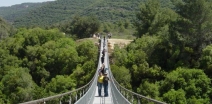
[6, 29]
[64, 10]
[10, 13]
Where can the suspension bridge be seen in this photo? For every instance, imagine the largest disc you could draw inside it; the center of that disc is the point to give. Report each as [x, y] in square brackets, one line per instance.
[88, 94]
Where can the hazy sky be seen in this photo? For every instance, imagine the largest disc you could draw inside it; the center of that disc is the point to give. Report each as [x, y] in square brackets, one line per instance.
[13, 2]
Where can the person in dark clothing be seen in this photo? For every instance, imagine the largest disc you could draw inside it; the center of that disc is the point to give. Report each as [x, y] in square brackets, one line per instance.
[103, 52]
[102, 59]
[105, 84]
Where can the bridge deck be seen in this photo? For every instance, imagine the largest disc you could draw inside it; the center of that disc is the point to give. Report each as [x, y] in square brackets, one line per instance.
[104, 100]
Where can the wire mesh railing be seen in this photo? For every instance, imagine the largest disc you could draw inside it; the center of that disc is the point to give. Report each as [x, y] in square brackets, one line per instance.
[69, 97]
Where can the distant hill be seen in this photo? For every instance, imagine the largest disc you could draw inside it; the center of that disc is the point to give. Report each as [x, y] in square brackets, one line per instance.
[10, 13]
[49, 13]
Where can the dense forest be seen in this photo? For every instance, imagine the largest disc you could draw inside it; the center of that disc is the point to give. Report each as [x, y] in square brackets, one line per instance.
[169, 60]
[36, 63]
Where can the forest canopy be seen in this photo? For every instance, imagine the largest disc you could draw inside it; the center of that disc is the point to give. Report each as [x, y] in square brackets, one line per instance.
[170, 59]
[34, 60]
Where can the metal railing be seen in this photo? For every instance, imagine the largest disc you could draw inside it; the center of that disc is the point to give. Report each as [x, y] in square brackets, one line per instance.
[72, 96]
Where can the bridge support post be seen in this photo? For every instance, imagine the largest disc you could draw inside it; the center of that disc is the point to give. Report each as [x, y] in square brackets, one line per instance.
[44, 102]
[61, 100]
[132, 99]
[139, 102]
[70, 99]
[76, 97]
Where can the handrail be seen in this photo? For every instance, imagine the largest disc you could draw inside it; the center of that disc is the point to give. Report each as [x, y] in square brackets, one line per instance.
[121, 88]
[43, 100]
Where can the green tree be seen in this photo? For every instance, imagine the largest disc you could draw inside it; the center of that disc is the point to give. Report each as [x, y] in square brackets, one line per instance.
[61, 84]
[87, 50]
[52, 58]
[121, 75]
[18, 85]
[84, 72]
[119, 56]
[83, 27]
[152, 19]
[206, 60]
[86, 67]
[38, 36]
[191, 31]
[149, 89]
[3, 97]
[106, 27]
[194, 82]
[6, 29]
[175, 97]
[7, 61]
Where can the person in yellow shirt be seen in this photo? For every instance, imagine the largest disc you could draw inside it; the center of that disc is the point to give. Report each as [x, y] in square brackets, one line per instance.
[100, 83]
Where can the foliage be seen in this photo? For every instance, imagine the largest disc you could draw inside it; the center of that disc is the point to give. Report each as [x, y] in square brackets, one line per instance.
[119, 56]
[6, 29]
[152, 19]
[206, 60]
[10, 13]
[82, 27]
[190, 33]
[193, 82]
[122, 75]
[87, 47]
[18, 85]
[61, 84]
[169, 39]
[84, 73]
[175, 97]
[162, 63]
[184, 32]
[149, 89]
[37, 63]
[135, 58]
[7, 60]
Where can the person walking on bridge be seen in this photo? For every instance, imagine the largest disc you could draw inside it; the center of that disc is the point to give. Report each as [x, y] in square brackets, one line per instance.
[100, 83]
[102, 69]
[105, 83]
[102, 59]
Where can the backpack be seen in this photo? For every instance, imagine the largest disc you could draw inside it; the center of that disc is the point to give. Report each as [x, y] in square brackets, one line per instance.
[105, 80]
